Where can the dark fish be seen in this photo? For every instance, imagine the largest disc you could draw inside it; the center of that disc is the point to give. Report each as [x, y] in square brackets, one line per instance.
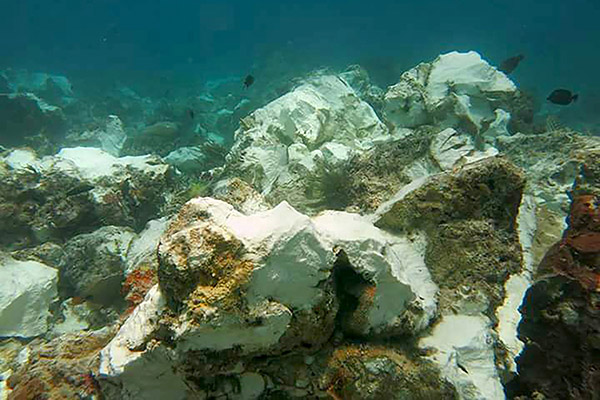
[562, 97]
[507, 66]
[79, 190]
[248, 81]
[190, 113]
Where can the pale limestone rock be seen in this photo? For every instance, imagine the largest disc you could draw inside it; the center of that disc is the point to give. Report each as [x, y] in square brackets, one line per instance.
[277, 146]
[128, 345]
[394, 264]
[463, 349]
[109, 138]
[405, 102]
[465, 74]
[142, 373]
[21, 158]
[299, 154]
[92, 164]
[516, 286]
[291, 255]
[287, 259]
[454, 88]
[450, 148]
[290, 259]
[75, 318]
[113, 137]
[499, 127]
[336, 153]
[27, 289]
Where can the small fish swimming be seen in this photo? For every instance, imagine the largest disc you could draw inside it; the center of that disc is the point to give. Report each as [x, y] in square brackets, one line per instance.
[562, 97]
[79, 189]
[190, 113]
[248, 81]
[507, 66]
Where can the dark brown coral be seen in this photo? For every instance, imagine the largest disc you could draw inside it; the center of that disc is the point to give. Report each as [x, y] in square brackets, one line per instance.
[577, 255]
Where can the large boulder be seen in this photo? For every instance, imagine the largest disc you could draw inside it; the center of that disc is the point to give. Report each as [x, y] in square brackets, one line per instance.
[467, 219]
[94, 264]
[24, 115]
[249, 286]
[27, 289]
[285, 148]
[77, 191]
[459, 90]
[110, 136]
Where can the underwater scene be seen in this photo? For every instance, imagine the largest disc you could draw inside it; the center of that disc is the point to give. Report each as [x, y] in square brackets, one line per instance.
[272, 200]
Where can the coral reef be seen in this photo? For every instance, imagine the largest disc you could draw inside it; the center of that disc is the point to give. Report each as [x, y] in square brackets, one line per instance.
[357, 243]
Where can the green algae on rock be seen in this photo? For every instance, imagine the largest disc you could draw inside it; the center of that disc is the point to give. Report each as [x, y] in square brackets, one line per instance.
[487, 189]
[475, 257]
[373, 177]
[469, 216]
[382, 372]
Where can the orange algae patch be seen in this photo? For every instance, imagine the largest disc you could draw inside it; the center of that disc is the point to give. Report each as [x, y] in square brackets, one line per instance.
[136, 285]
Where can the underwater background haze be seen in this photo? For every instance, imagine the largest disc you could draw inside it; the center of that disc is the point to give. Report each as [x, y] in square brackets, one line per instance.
[560, 39]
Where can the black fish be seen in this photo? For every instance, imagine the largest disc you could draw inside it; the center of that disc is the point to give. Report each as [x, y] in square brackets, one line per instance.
[507, 66]
[190, 113]
[562, 97]
[248, 81]
[79, 189]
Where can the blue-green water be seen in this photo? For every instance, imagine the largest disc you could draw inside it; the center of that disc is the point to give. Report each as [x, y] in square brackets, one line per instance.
[560, 39]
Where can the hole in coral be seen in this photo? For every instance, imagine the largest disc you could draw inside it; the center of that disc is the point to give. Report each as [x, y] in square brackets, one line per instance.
[348, 286]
